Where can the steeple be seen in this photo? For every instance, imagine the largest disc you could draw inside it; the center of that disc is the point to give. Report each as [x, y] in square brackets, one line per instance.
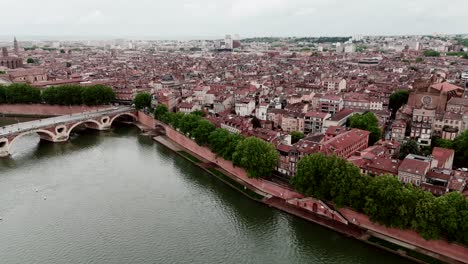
[15, 45]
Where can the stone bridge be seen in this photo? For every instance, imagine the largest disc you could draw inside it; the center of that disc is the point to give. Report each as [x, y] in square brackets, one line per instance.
[58, 129]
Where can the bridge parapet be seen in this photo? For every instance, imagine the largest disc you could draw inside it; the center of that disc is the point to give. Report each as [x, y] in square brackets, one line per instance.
[58, 129]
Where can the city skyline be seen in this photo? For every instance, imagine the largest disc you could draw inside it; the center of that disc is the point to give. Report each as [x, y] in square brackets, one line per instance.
[183, 19]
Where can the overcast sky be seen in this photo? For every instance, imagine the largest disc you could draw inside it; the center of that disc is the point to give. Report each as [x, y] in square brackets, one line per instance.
[214, 18]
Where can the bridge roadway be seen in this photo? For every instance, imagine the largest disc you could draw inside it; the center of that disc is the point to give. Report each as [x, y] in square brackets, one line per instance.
[58, 129]
[53, 121]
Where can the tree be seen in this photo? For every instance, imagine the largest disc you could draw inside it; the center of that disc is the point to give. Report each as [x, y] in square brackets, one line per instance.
[431, 53]
[20, 93]
[2, 95]
[442, 143]
[160, 111]
[68, 64]
[224, 143]
[188, 123]
[460, 144]
[397, 99]
[369, 122]
[409, 147]
[256, 122]
[296, 136]
[98, 95]
[198, 113]
[30, 60]
[142, 100]
[384, 197]
[62, 51]
[419, 60]
[256, 156]
[63, 95]
[203, 131]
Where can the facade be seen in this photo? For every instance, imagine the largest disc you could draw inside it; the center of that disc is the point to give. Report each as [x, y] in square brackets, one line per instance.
[413, 169]
[421, 126]
[313, 121]
[261, 111]
[292, 122]
[346, 144]
[245, 107]
[331, 104]
[398, 130]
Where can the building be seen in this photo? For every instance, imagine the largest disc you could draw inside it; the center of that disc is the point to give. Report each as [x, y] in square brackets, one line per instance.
[339, 119]
[346, 144]
[457, 105]
[313, 121]
[261, 111]
[398, 130]
[444, 157]
[413, 169]
[421, 126]
[331, 104]
[29, 75]
[334, 85]
[10, 62]
[245, 107]
[453, 125]
[292, 122]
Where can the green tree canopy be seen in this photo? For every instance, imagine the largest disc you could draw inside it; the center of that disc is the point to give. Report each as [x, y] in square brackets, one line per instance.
[63, 95]
[369, 122]
[20, 93]
[160, 111]
[142, 100]
[224, 143]
[2, 94]
[384, 198]
[256, 156]
[409, 147]
[296, 136]
[30, 60]
[397, 99]
[431, 53]
[202, 132]
[460, 144]
[98, 95]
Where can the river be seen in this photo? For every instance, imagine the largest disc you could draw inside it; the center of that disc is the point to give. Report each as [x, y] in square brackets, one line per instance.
[118, 197]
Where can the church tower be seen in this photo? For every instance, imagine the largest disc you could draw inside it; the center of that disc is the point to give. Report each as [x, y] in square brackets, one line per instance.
[15, 45]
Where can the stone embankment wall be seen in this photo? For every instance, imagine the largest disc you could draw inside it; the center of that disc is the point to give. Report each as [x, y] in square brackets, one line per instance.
[45, 110]
[432, 247]
[442, 247]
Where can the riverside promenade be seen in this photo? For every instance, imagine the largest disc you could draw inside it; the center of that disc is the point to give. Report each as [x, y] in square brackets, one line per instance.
[359, 225]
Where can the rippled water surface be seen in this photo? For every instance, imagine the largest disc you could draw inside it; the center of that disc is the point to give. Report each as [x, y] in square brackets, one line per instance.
[117, 197]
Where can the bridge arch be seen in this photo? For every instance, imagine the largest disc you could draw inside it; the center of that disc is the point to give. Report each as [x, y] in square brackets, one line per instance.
[92, 121]
[135, 118]
[44, 134]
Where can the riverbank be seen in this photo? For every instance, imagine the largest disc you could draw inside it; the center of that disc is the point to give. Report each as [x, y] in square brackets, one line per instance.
[403, 242]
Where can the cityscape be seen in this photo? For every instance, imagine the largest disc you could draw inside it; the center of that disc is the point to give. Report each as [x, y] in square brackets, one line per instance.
[255, 148]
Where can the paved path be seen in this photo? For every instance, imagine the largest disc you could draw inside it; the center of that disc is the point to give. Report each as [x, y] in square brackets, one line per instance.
[47, 122]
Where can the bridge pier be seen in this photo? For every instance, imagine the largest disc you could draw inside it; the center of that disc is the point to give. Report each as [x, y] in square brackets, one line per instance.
[4, 148]
[58, 129]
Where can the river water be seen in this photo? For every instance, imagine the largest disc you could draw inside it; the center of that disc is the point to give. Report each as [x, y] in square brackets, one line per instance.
[118, 197]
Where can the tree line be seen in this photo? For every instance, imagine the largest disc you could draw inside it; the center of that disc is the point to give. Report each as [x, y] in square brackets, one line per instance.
[384, 198]
[20, 93]
[256, 156]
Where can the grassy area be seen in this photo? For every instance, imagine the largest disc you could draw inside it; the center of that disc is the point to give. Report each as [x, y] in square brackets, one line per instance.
[236, 184]
[409, 252]
[190, 157]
